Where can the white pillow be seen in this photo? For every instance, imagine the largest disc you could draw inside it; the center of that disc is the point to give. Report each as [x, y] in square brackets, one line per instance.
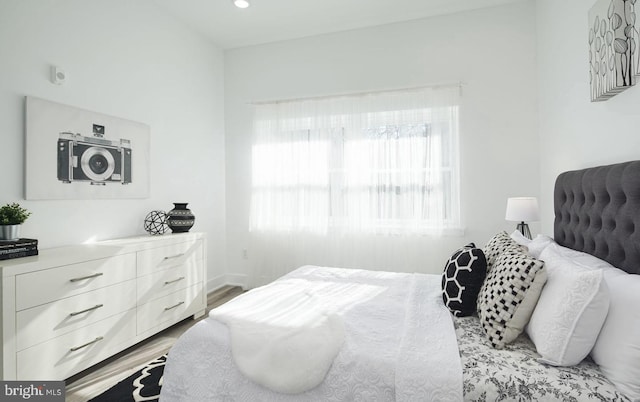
[586, 261]
[580, 258]
[570, 312]
[617, 349]
[537, 245]
[519, 238]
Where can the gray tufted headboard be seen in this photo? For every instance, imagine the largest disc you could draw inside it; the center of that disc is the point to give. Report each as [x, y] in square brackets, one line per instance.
[598, 211]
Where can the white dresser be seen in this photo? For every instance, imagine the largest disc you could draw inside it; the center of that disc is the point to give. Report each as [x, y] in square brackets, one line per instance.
[72, 307]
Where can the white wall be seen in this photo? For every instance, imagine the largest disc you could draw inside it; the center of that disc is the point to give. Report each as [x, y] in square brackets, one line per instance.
[127, 59]
[574, 132]
[492, 51]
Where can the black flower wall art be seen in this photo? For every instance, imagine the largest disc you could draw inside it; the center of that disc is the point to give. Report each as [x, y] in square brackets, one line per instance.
[614, 57]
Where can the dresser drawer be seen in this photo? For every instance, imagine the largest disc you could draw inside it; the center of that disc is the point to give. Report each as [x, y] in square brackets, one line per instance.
[167, 281]
[44, 286]
[171, 308]
[157, 259]
[48, 321]
[71, 353]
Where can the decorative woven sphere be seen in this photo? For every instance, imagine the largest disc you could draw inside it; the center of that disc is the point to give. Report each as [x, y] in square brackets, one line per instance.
[155, 223]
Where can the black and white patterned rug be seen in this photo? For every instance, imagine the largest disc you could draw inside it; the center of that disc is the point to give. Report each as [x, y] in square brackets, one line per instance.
[142, 386]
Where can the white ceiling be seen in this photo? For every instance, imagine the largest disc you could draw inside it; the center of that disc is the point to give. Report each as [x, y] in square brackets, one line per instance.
[275, 20]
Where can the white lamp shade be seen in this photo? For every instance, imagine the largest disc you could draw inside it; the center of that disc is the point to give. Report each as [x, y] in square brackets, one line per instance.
[522, 209]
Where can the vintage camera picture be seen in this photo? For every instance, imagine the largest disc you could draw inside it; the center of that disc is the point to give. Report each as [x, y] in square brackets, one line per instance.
[93, 158]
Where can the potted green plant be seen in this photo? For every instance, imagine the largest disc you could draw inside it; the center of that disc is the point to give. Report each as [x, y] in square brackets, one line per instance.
[11, 217]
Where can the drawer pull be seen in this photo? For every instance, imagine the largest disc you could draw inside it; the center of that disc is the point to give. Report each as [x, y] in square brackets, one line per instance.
[175, 280]
[174, 256]
[86, 277]
[172, 307]
[73, 349]
[97, 306]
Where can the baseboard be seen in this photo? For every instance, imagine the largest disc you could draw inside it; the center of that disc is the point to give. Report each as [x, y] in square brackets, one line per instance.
[228, 279]
[216, 283]
[238, 280]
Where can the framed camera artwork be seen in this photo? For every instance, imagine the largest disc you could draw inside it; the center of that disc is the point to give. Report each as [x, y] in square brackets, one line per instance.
[73, 153]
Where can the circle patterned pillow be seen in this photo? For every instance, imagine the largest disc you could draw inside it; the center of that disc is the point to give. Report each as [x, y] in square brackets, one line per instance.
[462, 278]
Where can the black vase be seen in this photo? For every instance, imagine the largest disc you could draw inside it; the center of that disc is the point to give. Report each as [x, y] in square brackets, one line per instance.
[180, 219]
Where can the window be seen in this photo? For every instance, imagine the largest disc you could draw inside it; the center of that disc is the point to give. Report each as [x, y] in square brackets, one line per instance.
[380, 163]
[290, 183]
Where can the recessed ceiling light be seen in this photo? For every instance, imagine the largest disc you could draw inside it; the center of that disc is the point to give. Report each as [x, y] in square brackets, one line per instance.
[241, 3]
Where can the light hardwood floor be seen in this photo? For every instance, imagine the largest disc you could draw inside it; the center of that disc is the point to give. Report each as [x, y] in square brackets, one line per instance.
[99, 378]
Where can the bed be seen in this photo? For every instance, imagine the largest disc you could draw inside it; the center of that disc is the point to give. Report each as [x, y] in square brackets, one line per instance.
[396, 340]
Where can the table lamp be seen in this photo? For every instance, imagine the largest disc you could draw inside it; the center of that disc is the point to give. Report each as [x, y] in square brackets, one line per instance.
[523, 210]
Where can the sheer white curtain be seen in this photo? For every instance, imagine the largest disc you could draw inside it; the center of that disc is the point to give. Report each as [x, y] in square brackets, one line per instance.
[349, 166]
[290, 182]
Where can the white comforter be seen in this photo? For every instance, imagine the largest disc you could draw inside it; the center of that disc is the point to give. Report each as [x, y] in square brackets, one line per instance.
[399, 345]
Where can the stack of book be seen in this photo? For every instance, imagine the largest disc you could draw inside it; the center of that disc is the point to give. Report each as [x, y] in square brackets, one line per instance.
[18, 248]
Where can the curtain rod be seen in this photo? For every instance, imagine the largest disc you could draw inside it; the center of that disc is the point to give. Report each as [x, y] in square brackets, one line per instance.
[459, 84]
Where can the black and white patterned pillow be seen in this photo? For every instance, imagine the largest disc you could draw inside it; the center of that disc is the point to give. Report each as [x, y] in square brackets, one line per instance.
[509, 295]
[499, 244]
[462, 278]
